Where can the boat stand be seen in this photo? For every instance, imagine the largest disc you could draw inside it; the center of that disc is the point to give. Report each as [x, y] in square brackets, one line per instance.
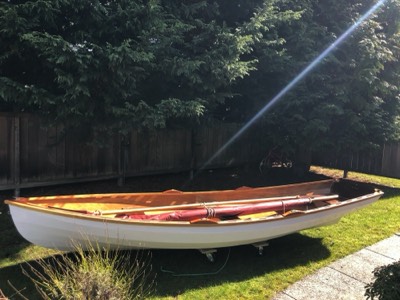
[260, 246]
[209, 253]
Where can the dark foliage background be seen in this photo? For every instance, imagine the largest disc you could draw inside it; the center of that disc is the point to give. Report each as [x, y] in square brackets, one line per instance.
[103, 67]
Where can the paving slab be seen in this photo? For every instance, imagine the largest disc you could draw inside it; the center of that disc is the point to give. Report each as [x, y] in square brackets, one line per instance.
[389, 247]
[361, 264]
[283, 296]
[345, 279]
[327, 284]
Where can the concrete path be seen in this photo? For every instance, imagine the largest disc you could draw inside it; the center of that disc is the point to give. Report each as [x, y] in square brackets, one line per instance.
[346, 278]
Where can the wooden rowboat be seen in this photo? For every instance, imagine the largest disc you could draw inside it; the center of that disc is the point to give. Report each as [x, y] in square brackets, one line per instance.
[186, 220]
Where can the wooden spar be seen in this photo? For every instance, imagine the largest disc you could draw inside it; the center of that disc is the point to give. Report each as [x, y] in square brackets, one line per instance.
[82, 211]
[194, 205]
[215, 203]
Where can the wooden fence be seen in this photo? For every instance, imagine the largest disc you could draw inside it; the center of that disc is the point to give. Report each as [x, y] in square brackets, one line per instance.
[384, 161]
[32, 154]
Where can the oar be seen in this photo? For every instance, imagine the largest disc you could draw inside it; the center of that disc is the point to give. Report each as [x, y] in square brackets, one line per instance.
[209, 204]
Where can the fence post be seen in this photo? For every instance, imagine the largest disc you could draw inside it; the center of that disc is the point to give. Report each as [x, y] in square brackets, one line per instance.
[17, 155]
[193, 158]
[122, 159]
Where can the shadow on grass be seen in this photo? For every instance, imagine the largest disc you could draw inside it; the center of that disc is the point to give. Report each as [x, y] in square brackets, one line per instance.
[234, 264]
[389, 192]
[231, 265]
[14, 275]
[9, 254]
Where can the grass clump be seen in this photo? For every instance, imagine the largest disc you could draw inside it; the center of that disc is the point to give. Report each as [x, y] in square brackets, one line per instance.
[95, 274]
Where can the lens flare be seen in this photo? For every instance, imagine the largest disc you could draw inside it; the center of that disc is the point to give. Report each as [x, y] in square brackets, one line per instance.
[296, 80]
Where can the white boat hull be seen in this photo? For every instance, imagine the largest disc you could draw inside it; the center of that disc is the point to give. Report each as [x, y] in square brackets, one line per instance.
[63, 232]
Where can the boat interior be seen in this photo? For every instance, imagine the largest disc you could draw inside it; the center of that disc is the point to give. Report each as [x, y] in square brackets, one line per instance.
[125, 205]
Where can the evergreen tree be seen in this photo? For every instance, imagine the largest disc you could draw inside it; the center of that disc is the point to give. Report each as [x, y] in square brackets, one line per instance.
[350, 101]
[115, 65]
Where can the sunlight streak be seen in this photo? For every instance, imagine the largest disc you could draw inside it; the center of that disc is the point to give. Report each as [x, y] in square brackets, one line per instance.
[295, 80]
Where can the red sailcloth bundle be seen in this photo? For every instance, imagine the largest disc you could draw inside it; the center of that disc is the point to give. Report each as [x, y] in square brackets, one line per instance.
[221, 212]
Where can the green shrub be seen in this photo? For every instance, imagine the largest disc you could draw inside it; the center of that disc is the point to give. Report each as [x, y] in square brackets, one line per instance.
[92, 275]
[387, 283]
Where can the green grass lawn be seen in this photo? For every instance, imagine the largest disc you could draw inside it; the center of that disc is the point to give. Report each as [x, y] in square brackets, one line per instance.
[239, 272]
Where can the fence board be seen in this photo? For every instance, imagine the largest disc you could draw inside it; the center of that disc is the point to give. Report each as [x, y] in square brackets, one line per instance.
[47, 157]
[379, 162]
[5, 151]
[211, 139]
[391, 160]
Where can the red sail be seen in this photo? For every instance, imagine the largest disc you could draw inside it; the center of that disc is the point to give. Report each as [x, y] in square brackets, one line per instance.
[222, 212]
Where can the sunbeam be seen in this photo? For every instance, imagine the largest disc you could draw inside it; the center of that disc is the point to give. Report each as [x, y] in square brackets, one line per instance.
[295, 81]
